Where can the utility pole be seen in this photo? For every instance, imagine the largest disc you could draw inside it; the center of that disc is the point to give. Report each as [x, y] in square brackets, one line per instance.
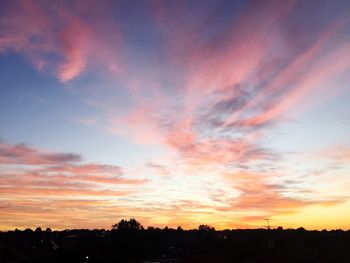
[268, 223]
[269, 239]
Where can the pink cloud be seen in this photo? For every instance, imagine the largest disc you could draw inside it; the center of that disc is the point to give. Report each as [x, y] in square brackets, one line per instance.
[317, 67]
[39, 29]
[230, 88]
[139, 125]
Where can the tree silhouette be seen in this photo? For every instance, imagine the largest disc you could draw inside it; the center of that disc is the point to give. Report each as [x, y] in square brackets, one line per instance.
[206, 228]
[179, 228]
[130, 224]
[38, 230]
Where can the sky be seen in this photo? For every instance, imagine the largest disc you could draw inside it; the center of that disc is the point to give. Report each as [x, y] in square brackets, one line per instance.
[176, 113]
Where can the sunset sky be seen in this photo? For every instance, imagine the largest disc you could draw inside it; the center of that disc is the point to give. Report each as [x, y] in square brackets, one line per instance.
[176, 113]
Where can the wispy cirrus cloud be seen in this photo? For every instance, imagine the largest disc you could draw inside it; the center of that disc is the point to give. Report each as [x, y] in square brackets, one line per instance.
[58, 38]
[231, 87]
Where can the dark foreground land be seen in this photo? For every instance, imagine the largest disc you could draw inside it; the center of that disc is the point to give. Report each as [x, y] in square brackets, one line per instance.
[170, 245]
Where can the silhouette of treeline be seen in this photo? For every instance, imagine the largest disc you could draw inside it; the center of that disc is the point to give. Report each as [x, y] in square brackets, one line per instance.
[129, 241]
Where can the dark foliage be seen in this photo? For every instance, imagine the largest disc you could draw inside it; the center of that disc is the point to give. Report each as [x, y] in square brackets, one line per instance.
[131, 243]
[127, 225]
[206, 228]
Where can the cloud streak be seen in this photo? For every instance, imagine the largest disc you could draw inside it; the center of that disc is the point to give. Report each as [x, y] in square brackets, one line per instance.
[22, 154]
[27, 173]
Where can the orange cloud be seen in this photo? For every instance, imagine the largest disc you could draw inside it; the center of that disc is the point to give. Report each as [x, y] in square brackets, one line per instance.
[257, 194]
[40, 177]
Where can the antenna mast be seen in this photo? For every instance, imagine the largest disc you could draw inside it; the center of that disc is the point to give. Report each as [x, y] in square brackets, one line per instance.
[268, 223]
